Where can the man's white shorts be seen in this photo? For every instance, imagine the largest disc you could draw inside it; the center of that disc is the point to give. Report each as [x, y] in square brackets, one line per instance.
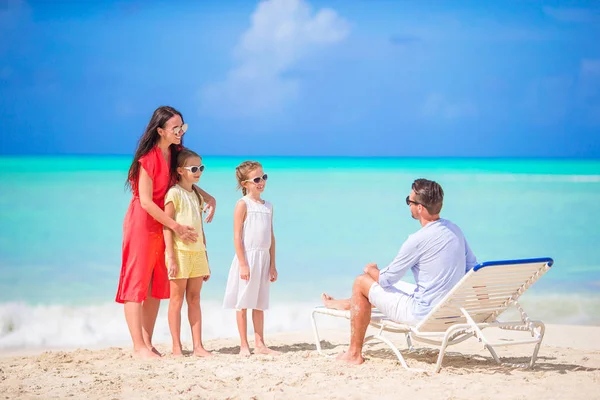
[395, 302]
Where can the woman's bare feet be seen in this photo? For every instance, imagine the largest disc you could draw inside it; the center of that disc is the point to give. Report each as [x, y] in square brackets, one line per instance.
[330, 302]
[266, 350]
[144, 353]
[153, 349]
[202, 352]
[244, 351]
[348, 358]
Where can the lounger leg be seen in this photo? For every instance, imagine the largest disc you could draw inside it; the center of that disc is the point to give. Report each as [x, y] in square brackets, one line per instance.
[493, 353]
[409, 342]
[542, 330]
[392, 346]
[316, 333]
[449, 333]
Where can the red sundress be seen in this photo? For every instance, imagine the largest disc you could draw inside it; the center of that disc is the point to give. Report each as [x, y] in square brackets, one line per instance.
[143, 241]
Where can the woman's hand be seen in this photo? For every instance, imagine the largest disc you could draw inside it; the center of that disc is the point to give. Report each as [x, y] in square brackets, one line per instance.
[210, 207]
[244, 272]
[186, 233]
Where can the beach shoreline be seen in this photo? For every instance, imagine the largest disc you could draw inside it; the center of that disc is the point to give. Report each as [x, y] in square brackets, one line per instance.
[568, 366]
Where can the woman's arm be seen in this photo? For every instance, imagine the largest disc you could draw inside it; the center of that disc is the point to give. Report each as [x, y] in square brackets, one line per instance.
[211, 204]
[186, 233]
[239, 215]
[169, 248]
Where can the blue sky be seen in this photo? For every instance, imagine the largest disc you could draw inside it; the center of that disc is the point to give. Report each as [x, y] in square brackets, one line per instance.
[298, 77]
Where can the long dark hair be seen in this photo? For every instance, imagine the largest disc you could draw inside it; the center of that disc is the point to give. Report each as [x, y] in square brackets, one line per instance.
[147, 142]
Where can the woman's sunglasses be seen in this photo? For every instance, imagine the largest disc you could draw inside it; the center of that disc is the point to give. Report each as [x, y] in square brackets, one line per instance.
[180, 129]
[195, 168]
[257, 179]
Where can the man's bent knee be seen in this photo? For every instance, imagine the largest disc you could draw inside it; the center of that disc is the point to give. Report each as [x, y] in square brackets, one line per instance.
[363, 284]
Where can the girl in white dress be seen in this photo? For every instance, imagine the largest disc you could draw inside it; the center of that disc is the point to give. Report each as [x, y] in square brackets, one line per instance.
[253, 267]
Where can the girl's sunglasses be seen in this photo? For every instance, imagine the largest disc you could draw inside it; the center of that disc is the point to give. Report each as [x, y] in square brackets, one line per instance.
[257, 179]
[195, 168]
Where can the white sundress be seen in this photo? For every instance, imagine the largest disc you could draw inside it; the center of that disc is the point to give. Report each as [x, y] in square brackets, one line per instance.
[256, 239]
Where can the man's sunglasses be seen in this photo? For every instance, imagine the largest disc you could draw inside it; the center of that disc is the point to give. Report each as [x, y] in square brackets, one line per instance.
[416, 203]
[195, 168]
[257, 179]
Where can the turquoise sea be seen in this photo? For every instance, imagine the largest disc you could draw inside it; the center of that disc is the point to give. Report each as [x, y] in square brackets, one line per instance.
[60, 236]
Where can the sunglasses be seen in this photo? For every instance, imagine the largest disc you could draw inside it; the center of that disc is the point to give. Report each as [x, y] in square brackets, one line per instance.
[416, 203]
[180, 129]
[195, 168]
[257, 179]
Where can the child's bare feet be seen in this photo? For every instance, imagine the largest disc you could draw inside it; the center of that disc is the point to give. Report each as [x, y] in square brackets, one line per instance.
[202, 352]
[177, 351]
[266, 350]
[144, 352]
[244, 351]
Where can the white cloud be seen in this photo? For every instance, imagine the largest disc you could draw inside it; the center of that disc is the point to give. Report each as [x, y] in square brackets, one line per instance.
[589, 90]
[15, 17]
[282, 33]
[571, 14]
[590, 67]
[437, 106]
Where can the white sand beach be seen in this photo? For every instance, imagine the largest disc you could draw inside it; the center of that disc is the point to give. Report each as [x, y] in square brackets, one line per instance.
[568, 367]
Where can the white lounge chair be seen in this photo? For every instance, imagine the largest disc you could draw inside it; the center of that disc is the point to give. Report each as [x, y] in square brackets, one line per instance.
[471, 306]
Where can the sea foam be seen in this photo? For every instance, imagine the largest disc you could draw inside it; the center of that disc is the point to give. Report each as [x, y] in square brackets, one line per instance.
[58, 326]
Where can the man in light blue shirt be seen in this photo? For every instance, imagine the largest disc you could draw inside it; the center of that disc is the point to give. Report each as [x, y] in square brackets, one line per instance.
[438, 256]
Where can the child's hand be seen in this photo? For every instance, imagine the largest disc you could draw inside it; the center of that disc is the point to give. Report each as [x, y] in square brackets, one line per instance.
[205, 278]
[173, 267]
[273, 274]
[244, 272]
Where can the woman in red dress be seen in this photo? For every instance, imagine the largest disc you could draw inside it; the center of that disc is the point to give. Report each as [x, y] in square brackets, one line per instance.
[144, 281]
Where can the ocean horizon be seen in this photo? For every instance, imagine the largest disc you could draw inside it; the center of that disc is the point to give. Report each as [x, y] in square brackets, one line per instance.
[60, 241]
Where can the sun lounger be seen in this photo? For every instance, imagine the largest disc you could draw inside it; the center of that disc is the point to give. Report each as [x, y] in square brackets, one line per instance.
[472, 306]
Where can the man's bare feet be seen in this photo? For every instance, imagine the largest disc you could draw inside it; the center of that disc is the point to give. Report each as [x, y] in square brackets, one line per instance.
[350, 359]
[266, 350]
[144, 353]
[244, 351]
[330, 302]
[202, 352]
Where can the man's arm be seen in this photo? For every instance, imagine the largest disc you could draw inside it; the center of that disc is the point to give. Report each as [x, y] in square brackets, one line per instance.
[407, 257]
[470, 257]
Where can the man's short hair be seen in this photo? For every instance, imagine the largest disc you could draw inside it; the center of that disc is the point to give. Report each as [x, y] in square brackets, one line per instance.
[430, 194]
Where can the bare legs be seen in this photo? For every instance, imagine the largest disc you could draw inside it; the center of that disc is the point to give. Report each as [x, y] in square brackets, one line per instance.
[258, 320]
[360, 316]
[195, 315]
[174, 315]
[190, 289]
[150, 308]
[141, 318]
[242, 323]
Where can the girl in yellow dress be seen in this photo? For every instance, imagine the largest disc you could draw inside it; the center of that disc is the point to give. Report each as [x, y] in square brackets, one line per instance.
[187, 263]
